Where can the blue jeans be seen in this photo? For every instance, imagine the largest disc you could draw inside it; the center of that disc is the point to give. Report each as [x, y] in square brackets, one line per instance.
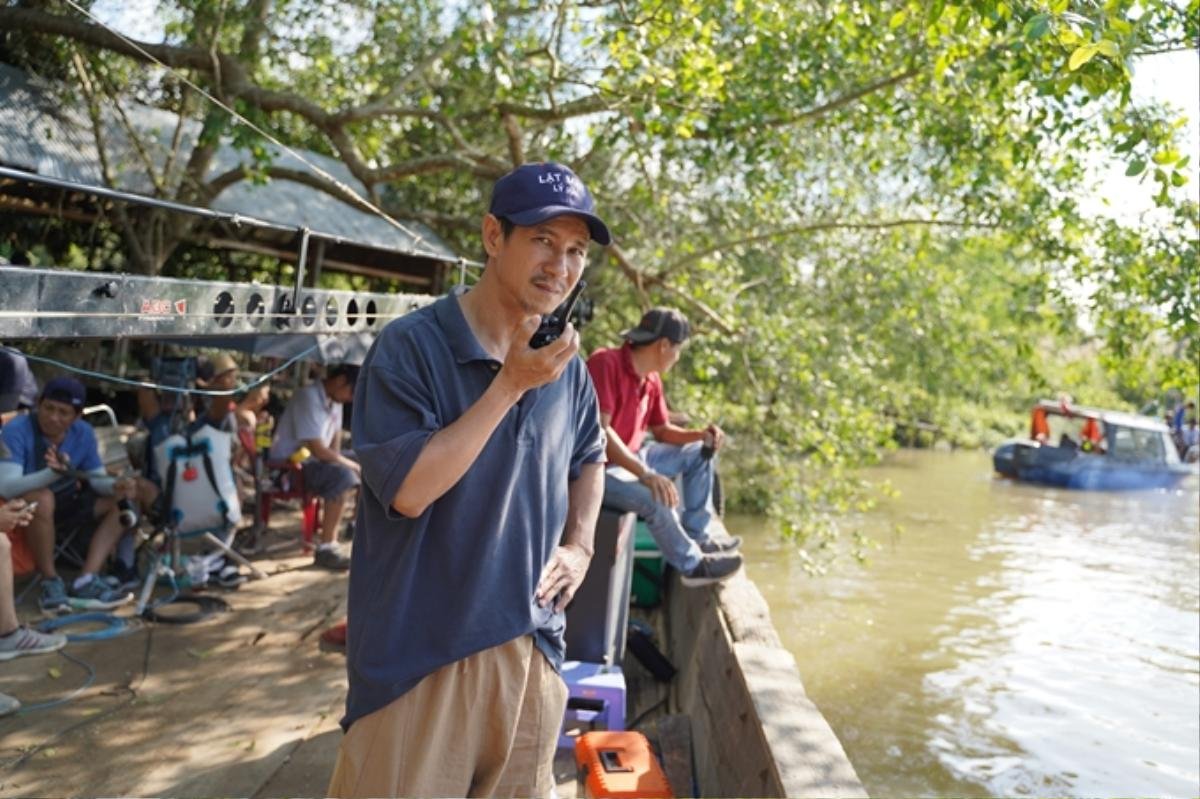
[677, 531]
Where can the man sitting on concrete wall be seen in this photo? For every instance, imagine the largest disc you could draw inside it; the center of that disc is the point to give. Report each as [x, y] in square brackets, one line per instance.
[629, 387]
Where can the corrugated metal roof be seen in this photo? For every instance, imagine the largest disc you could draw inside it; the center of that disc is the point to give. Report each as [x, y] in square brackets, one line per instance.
[39, 133]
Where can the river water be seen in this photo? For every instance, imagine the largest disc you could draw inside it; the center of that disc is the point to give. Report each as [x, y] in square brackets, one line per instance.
[1007, 640]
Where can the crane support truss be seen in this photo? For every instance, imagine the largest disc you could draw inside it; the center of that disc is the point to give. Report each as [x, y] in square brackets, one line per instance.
[47, 304]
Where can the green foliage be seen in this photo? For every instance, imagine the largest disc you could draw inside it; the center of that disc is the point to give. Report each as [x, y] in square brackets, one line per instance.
[869, 210]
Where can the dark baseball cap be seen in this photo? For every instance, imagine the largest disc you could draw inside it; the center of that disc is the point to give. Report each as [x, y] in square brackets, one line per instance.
[65, 389]
[659, 323]
[533, 193]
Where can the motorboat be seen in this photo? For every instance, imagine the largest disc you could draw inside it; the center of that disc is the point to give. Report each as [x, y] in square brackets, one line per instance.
[1113, 451]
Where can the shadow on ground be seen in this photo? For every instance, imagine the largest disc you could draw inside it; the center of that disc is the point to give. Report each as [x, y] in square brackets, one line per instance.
[241, 704]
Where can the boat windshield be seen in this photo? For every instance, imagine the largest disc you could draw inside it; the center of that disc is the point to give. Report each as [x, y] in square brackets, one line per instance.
[1133, 444]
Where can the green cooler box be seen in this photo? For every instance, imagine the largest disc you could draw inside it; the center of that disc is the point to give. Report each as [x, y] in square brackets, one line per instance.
[648, 568]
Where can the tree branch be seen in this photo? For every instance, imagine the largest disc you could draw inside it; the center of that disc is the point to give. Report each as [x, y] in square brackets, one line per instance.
[578, 107]
[28, 19]
[434, 163]
[823, 109]
[512, 130]
[240, 172]
[846, 99]
[721, 322]
[617, 254]
[636, 276]
[257, 12]
[177, 136]
[1167, 47]
[135, 140]
[236, 83]
[813, 227]
[435, 219]
[386, 105]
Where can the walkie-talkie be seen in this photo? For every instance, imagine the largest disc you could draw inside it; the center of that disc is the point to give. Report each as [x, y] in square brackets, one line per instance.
[553, 324]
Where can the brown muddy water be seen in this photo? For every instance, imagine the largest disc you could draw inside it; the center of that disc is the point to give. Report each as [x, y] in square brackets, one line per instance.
[1007, 639]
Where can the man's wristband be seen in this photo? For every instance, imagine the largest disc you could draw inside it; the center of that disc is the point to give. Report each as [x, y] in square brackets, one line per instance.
[646, 474]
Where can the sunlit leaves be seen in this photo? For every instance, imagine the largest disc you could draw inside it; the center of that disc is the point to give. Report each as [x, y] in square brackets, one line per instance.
[743, 151]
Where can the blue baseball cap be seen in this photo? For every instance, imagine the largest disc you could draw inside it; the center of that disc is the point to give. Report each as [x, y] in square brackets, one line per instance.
[533, 193]
[67, 390]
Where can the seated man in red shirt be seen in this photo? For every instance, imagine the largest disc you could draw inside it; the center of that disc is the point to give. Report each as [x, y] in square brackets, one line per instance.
[629, 387]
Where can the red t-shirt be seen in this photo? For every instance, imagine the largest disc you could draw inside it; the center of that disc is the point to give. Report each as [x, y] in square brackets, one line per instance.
[636, 404]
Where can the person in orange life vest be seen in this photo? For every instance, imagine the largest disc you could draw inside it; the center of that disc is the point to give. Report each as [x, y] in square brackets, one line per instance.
[1039, 426]
[1091, 436]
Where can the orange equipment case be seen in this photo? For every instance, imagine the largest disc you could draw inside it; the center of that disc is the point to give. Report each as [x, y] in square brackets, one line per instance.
[619, 763]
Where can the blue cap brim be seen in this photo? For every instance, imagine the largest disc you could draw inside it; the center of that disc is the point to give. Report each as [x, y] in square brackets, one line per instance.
[596, 227]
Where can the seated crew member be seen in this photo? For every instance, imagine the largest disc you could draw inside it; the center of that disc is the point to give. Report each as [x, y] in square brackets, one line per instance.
[218, 412]
[253, 423]
[219, 373]
[313, 419]
[16, 640]
[54, 460]
[157, 414]
[629, 388]
[251, 411]
[18, 388]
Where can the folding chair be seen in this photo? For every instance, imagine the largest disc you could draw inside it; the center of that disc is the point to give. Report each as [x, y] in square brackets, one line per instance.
[199, 500]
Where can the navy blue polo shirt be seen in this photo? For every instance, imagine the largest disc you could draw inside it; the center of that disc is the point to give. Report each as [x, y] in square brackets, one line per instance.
[460, 578]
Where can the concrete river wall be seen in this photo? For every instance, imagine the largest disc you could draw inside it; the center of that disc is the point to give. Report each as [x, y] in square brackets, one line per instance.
[754, 731]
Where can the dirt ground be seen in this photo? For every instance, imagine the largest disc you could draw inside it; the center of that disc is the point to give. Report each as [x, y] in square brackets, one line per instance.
[243, 703]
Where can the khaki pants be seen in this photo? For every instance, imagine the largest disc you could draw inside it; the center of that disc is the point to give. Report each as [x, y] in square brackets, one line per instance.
[486, 725]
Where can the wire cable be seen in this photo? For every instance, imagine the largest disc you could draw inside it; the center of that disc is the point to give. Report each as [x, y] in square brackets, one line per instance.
[292, 315]
[87, 683]
[16, 763]
[205, 607]
[159, 387]
[114, 626]
[639, 718]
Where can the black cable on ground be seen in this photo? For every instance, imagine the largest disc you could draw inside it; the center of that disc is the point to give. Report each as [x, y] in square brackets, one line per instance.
[642, 716]
[207, 606]
[87, 683]
[13, 765]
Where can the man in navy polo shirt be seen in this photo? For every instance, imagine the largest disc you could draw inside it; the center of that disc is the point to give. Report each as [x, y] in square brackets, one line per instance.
[482, 472]
[54, 460]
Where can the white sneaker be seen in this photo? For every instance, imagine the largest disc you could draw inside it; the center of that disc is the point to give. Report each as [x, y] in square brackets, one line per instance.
[24, 641]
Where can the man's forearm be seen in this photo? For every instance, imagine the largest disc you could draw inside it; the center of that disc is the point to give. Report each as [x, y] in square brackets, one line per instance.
[13, 484]
[671, 434]
[584, 495]
[448, 454]
[619, 454]
[327, 454]
[102, 482]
